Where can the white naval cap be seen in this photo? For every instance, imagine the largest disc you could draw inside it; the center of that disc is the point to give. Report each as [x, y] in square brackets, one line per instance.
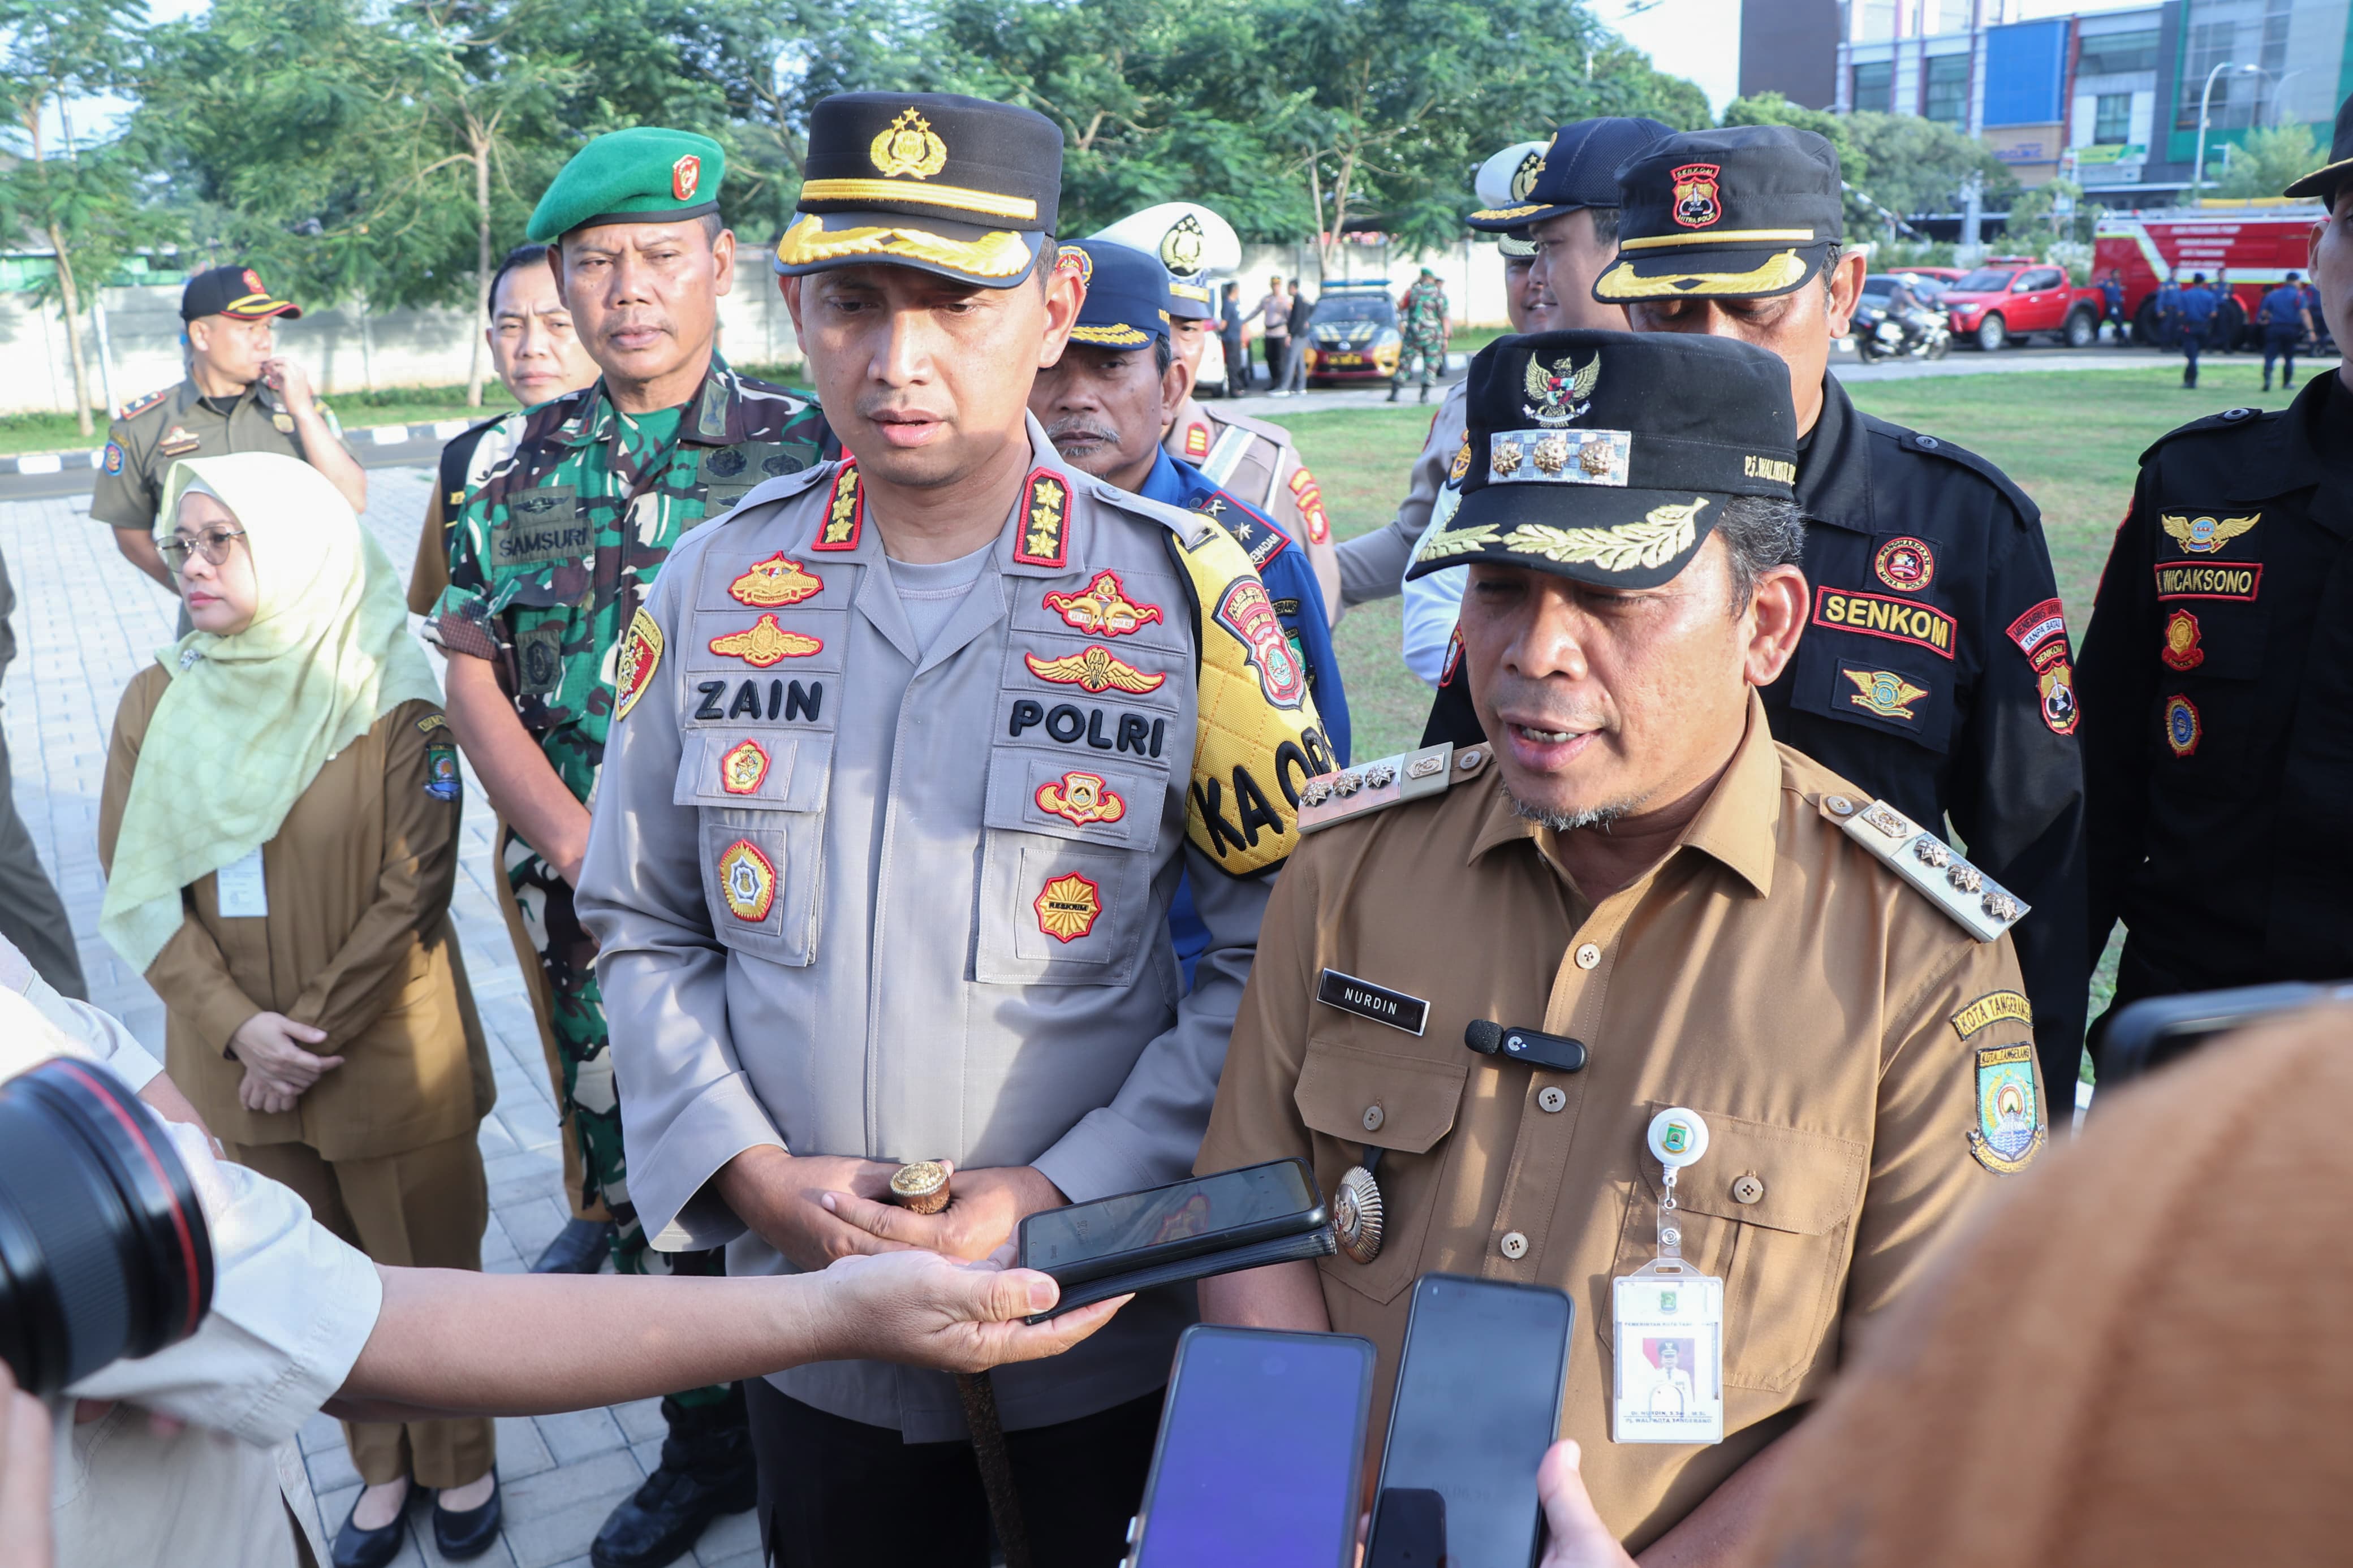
[1191, 241]
[1504, 181]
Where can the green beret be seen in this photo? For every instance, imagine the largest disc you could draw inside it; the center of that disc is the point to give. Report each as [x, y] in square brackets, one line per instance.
[644, 175]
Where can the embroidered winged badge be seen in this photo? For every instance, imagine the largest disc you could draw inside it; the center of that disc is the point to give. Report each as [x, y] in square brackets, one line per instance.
[1096, 669]
[2205, 536]
[1561, 392]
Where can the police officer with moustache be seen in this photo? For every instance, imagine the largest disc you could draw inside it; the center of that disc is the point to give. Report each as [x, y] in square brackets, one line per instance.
[908, 755]
[555, 547]
[1556, 207]
[1635, 899]
[2218, 681]
[1935, 671]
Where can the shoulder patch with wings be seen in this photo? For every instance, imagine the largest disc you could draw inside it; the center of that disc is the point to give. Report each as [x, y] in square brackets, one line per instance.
[2205, 536]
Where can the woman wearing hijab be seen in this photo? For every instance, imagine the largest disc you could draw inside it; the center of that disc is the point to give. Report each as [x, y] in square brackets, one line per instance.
[280, 828]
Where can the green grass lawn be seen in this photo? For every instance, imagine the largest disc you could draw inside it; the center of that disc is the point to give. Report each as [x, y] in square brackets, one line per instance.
[392, 405]
[2071, 440]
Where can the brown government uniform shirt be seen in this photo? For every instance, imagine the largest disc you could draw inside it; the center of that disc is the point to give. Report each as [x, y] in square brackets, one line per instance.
[1769, 973]
[357, 942]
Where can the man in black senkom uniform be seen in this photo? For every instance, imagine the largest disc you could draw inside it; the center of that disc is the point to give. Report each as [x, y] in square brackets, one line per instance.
[2218, 681]
[1935, 670]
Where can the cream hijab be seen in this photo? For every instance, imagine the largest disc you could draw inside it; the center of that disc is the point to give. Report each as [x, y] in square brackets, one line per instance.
[249, 719]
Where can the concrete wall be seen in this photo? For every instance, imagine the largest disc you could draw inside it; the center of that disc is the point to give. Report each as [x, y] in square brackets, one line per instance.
[342, 352]
[1472, 272]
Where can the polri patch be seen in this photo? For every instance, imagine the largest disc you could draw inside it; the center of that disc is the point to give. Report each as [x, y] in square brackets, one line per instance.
[742, 768]
[2009, 1130]
[1246, 612]
[113, 462]
[1082, 798]
[641, 651]
[2182, 635]
[1366, 1000]
[1097, 669]
[763, 642]
[1993, 1007]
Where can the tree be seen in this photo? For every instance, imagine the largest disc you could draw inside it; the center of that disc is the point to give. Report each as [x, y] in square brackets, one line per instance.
[78, 198]
[2271, 159]
[1917, 165]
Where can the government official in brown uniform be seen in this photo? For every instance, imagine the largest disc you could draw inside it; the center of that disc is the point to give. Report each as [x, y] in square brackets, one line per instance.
[240, 395]
[1680, 913]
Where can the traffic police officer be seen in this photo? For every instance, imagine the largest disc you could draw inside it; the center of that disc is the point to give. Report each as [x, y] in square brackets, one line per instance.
[2218, 683]
[1243, 457]
[555, 548]
[1193, 244]
[907, 756]
[1558, 204]
[240, 395]
[1638, 889]
[2285, 323]
[1935, 671]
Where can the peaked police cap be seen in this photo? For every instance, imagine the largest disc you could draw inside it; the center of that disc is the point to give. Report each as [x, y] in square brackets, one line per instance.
[1745, 213]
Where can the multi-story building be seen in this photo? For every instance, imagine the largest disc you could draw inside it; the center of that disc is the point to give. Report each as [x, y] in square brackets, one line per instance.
[2111, 98]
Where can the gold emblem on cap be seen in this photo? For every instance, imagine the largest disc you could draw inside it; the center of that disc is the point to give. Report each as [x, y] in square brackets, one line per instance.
[909, 146]
[1180, 247]
[1523, 178]
[1562, 390]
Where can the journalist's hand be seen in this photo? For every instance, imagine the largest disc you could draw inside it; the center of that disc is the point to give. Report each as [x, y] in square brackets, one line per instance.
[271, 1045]
[1574, 1535]
[25, 1477]
[984, 1208]
[918, 1307]
[780, 1197]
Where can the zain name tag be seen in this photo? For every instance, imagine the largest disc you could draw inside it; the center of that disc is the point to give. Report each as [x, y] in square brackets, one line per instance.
[1366, 1000]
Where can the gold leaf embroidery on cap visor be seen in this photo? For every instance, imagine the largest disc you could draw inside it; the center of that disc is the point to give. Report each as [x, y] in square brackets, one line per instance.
[1777, 273]
[1663, 534]
[1111, 337]
[999, 255]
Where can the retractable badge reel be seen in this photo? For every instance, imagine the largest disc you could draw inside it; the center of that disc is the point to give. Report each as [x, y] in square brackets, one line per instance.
[1668, 1378]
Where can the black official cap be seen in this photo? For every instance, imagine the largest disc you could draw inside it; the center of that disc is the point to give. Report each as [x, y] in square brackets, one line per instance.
[1127, 295]
[953, 185]
[1744, 213]
[1607, 457]
[1579, 168]
[2323, 182]
[233, 291]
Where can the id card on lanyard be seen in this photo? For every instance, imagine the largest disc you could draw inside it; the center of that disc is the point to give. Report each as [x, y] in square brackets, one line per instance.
[1667, 1320]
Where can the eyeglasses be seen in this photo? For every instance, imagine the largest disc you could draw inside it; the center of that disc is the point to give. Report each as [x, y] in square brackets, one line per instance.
[213, 544]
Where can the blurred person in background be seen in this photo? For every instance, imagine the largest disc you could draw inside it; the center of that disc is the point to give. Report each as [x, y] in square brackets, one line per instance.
[1230, 330]
[280, 828]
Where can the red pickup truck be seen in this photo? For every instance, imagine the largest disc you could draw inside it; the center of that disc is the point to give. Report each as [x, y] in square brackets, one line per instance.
[2011, 297]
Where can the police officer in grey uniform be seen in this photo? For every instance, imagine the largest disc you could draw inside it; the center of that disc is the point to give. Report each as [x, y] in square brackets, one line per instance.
[909, 753]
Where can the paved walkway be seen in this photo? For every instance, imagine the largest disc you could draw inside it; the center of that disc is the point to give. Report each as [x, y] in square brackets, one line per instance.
[86, 621]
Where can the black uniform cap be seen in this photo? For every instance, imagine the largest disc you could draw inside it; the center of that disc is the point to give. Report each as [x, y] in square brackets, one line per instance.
[953, 185]
[1126, 303]
[1580, 170]
[1745, 213]
[233, 291]
[2323, 182]
[1607, 457]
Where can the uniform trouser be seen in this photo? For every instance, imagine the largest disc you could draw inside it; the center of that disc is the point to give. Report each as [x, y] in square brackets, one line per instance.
[534, 973]
[2279, 343]
[1294, 367]
[576, 1018]
[422, 1209]
[1276, 347]
[31, 915]
[2193, 337]
[836, 1493]
[1431, 356]
[1238, 365]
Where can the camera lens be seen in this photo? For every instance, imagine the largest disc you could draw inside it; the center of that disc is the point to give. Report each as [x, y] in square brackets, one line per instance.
[103, 1248]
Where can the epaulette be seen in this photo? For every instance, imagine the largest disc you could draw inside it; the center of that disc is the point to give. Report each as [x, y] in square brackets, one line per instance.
[783, 487]
[2228, 419]
[131, 410]
[1978, 904]
[1274, 433]
[1189, 527]
[1367, 787]
[1913, 441]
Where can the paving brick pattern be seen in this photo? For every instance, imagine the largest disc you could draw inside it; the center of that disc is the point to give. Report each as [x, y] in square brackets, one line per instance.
[86, 621]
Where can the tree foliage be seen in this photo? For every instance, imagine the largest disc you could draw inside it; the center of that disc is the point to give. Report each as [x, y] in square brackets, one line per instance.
[2269, 159]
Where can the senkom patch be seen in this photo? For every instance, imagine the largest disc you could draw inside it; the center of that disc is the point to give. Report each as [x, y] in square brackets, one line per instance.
[641, 651]
[1877, 616]
[747, 880]
[2008, 1128]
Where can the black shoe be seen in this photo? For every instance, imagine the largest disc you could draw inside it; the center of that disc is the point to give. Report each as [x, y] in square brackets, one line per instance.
[706, 1471]
[469, 1534]
[357, 1548]
[1393, 394]
[1425, 392]
[578, 1248]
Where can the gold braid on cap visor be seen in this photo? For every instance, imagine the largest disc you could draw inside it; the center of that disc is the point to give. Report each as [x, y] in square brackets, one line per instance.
[1003, 254]
[1780, 272]
[1118, 337]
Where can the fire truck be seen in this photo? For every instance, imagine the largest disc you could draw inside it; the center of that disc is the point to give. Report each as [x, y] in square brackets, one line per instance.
[2247, 247]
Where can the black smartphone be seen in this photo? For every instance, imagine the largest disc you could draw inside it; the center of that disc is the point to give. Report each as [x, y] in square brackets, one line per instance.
[1262, 1443]
[1164, 1225]
[1478, 1402]
[2156, 1029]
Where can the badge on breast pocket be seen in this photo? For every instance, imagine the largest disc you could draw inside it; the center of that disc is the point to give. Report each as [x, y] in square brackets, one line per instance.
[1667, 1317]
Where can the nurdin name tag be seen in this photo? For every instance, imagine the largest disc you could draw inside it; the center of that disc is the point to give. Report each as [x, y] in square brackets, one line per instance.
[1366, 1000]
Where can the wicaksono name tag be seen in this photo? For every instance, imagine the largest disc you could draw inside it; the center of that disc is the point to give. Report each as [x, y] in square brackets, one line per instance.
[1366, 1000]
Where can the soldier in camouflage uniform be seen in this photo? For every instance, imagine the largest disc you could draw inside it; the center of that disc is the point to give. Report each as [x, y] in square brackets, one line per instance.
[1422, 325]
[554, 547]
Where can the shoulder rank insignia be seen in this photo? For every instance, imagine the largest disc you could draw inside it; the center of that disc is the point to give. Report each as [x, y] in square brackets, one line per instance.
[2009, 1130]
[2205, 536]
[1104, 609]
[1097, 669]
[640, 655]
[773, 584]
[1046, 521]
[763, 642]
[845, 511]
[141, 406]
[1368, 788]
[1982, 906]
[1197, 441]
[1309, 496]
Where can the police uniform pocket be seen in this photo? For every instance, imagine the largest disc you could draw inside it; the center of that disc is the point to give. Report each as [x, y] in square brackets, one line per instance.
[1877, 683]
[761, 799]
[1770, 1211]
[1059, 913]
[1350, 1098]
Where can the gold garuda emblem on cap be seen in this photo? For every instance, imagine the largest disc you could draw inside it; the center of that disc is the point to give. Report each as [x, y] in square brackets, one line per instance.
[909, 146]
[1523, 178]
[1560, 391]
[1180, 247]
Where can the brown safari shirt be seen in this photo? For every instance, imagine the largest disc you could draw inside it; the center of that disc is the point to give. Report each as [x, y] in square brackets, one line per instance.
[1769, 973]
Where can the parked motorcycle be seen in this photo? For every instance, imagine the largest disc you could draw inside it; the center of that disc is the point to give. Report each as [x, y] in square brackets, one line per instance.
[1916, 332]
